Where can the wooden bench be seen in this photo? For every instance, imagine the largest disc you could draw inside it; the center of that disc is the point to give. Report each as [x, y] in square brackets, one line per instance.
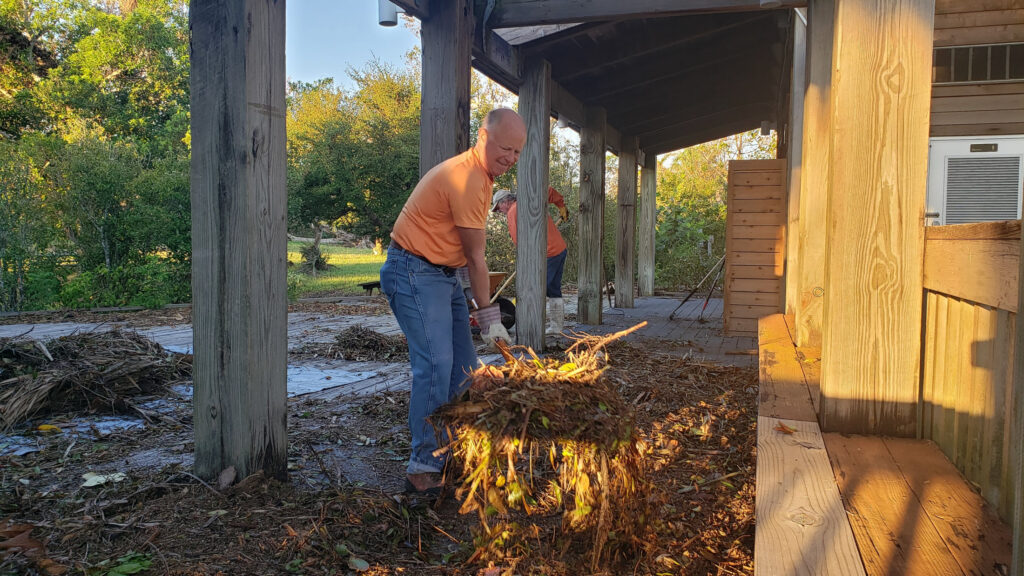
[369, 286]
[846, 504]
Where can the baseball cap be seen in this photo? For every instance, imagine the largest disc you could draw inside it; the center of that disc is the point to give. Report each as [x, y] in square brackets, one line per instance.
[500, 195]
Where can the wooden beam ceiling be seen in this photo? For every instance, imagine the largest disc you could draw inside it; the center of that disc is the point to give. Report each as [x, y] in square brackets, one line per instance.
[753, 79]
[501, 62]
[518, 13]
[605, 48]
[714, 132]
[652, 75]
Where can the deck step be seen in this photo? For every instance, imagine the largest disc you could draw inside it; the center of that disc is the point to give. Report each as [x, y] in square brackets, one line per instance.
[801, 526]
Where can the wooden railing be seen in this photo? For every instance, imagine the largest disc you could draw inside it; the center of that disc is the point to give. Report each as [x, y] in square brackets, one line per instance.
[970, 281]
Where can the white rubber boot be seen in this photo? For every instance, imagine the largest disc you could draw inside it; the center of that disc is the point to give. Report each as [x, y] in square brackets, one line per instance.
[556, 315]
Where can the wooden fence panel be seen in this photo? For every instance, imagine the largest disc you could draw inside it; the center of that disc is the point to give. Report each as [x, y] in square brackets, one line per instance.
[754, 243]
[970, 281]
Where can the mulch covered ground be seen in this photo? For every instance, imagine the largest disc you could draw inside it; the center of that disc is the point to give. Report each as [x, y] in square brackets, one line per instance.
[341, 511]
[352, 306]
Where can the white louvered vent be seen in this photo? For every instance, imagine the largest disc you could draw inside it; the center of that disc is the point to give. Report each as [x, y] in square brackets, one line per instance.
[980, 189]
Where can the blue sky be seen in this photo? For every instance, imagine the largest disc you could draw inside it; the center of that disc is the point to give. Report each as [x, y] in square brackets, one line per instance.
[326, 37]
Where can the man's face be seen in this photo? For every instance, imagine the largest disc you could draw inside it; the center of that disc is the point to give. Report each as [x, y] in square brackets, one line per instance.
[504, 206]
[502, 146]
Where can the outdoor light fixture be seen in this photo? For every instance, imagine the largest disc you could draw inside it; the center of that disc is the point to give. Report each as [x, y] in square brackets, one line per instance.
[387, 13]
[562, 122]
[770, 3]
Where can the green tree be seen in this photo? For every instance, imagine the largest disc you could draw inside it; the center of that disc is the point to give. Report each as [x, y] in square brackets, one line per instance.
[354, 158]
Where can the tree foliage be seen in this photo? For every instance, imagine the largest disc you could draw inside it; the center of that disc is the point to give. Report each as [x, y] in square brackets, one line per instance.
[353, 158]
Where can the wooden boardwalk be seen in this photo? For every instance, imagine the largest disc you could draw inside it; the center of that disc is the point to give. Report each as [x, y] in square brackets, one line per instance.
[695, 333]
[877, 506]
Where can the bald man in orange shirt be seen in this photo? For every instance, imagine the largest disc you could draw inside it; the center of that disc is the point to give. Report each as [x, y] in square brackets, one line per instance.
[438, 238]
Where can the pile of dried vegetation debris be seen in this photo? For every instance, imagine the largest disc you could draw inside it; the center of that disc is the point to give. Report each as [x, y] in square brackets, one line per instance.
[92, 372]
[539, 438]
[359, 344]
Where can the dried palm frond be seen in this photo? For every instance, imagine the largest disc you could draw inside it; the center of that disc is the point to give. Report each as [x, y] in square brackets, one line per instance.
[91, 372]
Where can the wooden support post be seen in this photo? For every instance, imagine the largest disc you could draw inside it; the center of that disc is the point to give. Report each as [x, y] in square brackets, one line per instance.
[239, 293]
[871, 338]
[591, 218]
[816, 163]
[532, 225]
[625, 240]
[648, 224]
[795, 130]
[447, 39]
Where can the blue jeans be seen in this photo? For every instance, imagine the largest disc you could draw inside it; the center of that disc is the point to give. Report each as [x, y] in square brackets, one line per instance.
[556, 264]
[432, 312]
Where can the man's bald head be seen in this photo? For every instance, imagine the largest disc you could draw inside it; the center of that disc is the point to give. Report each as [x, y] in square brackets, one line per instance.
[500, 140]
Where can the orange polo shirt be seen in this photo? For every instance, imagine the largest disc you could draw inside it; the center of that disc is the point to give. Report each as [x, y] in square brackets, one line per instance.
[555, 241]
[456, 192]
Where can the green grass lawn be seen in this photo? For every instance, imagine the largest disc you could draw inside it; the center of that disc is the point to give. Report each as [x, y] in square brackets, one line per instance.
[348, 267]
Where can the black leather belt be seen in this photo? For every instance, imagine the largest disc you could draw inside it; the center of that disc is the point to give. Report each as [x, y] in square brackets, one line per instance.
[447, 270]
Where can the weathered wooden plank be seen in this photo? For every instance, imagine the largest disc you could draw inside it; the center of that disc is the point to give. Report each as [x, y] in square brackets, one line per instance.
[755, 245]
[978, 129]
[759, 178]
[757, 272]
[760, 218]
[1017, 436]
[447, 41]
[754, 299]
[759, 259]
[802, 528]
[1015, 116]
[533, 174]
[953, 381]
[754, 285]
[591, 216]
[625, 239]
[975, 103]
[238, 260]
[775, 232]
[755, 312]
[955, 6]
[741, 326]
[955, 90]
[647, 226]
[940, 379]
[743, 206]
[997, 415]
[924, 421]
[893, 531]
[979, 35]
[872, 333]
[794, 158]
[773, 192]
[983, 406]
[1000, 230]
[814, 181]
[976, 19]
[520, 13]
[972, 533]
[1011, 497]
[982, 271]
[783, 391]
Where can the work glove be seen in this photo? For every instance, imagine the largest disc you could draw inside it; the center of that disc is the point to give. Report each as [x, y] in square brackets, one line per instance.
[563, 212]
[491, 328]
[463, 276]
